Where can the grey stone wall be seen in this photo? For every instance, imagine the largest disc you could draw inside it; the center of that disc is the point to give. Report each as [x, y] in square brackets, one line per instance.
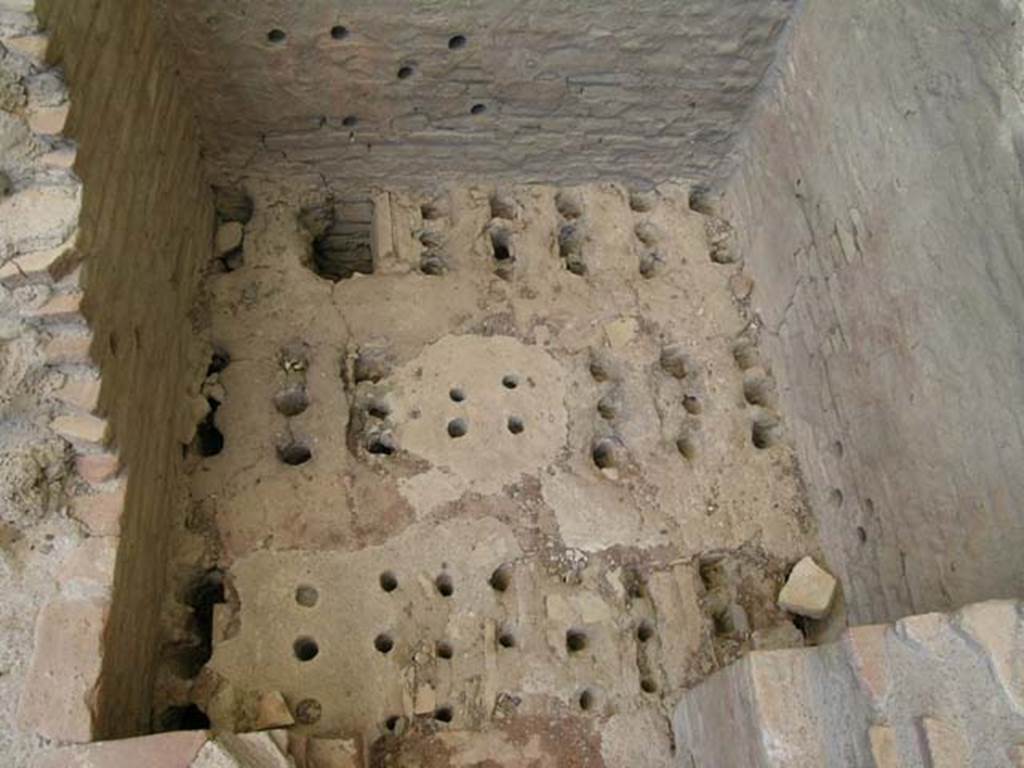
[570, 89]
[880, 202]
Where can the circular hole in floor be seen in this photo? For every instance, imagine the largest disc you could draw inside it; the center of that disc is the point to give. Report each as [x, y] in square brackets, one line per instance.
[306, 595]
[444, 584]
[404, 73]
[605, 453]
[349, 121]
[388, 581]
[644, 631]
[276, 36]
[588, 699]
[294, 453]
[456, 394]
[291, 401]
[478, 109]
[339, 32]
[507, 639]
[501, 579]
[383, 643]
[308, 711]
[693, 405]
[510, 381]
[575, 640]
[444, 714]
[647, 685]
[393, 723]
[444, 650]
[455, 42]
[516, 425]
[378, 409]
[305, 648]
[381, 444]
[458, 427]
[765, 431]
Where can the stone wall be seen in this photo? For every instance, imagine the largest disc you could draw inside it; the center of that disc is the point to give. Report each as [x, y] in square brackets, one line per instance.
[145, 232]
[409, 93]
[879, 200]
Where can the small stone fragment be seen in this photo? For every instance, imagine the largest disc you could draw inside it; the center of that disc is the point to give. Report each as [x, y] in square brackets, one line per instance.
[272, 712]
[809, 590]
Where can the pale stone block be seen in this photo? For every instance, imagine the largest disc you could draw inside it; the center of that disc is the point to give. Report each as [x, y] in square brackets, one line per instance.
[49, 121]
[58, 690]
[997, 628]
[80, 427]
[865, 647]
[883, 746]
[808, 591]
[945, 745]
[81, 393]
[30, 46]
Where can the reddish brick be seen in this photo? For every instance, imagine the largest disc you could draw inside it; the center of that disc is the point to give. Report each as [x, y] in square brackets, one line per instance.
[67, 348]
[91, 562]
[57, 693]
[100, 512]
[96, 468]
[82, 393]
[163, 750]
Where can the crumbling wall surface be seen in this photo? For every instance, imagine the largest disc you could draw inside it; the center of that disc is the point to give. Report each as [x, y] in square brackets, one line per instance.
[145, 229]
[394, 92]
[880, 205]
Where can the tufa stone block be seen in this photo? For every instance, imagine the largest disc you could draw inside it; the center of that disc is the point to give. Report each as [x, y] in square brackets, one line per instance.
[808, 591]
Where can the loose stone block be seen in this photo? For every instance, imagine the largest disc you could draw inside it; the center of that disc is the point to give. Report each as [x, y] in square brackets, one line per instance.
[809, 590]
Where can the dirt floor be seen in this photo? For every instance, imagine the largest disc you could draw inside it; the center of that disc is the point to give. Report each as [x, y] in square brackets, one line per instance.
[508, 494]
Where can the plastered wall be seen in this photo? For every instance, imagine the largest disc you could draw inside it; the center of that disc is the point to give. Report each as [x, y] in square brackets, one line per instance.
[879, 201]
[145, 229]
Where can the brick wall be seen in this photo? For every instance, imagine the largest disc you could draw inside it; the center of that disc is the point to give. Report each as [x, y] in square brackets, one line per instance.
[145, 230]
